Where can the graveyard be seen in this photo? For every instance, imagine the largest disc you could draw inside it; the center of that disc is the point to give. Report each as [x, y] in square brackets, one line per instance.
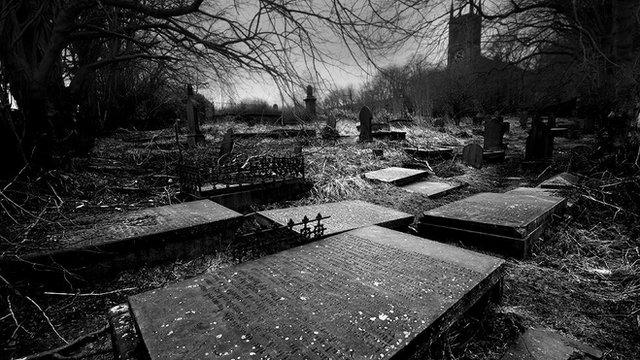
[197, 179]
[543, 259]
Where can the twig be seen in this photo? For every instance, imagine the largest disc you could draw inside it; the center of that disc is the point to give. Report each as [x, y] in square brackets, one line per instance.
[55, 353]
[47, 318]
[89, 294]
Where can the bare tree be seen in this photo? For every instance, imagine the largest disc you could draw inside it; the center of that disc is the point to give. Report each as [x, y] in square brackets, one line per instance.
[52, 51]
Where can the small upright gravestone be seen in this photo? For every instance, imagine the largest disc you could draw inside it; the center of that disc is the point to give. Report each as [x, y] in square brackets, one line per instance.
[365, 117]
[539, 145]
[523, 119]
[472, 155]
[194, 136]
[226, 146]
[310, 101]
[494, 129]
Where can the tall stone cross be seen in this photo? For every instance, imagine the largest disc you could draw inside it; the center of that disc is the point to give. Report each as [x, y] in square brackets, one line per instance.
[195, 135]
[365, 117]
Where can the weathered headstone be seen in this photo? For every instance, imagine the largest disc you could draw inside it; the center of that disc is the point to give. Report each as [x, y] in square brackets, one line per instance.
[365, 117]
[539, 146]
[329, 130]
[472, 155]
[369, 293]
[396, 175]
[546, 344]
[310, 101]
[226, 146]
[275, 107]
[505, 223]
[194, 136]
[432, 189]
[343, 216]
[494, 129]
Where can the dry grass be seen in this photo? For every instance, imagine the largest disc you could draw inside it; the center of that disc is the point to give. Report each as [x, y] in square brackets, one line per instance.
[583, 279]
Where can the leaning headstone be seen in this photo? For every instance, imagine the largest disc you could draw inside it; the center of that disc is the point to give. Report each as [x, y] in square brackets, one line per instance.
[494, 129]
[194, 136]
[539, 146]
[472, 155]
[226, 146]
[369, 293]
[275, 106]
[343, 216]
[504, 223]
[365, 117]
[546, 344]
[310, 101]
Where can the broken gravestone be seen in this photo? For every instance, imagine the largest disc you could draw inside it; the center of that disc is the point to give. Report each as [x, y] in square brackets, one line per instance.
[472, 155]
[365, 117]
[561, 181]
[368, 293]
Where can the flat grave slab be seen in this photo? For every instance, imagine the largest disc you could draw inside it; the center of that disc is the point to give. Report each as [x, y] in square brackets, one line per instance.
[129, 239]
[432, 189]
[344, 216]
[561, 181]
[529, 191]
[155, 221]
[493, 155]
[546, 344]
[396, 175]
[368, 293]
[389, 135]
[434, 153]
[505, 223]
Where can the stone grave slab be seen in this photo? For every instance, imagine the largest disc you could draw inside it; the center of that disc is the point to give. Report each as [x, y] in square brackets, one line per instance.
[368, 293]
[559, 132]
[143, 236]
[396, 175]
[432, 189]
[434, 153]
[493, 155]
[344, 216]
[546, 344]
[389, 135]
[561, 181]
[504, 223]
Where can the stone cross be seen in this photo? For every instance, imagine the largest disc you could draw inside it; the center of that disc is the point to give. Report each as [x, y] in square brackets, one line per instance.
[365, 117]
[539, 145]
[472, 155]
[310, 101]
[226, 146]
[194, 136]
[494, 129]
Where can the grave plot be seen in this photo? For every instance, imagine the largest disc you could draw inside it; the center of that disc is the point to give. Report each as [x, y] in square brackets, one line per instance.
[343, 216]
[432, 189]
[140, 237]
[396, 175]
[504, 223]
[368, 293]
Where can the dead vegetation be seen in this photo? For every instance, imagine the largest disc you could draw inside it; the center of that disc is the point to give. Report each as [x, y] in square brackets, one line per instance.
[583, 279]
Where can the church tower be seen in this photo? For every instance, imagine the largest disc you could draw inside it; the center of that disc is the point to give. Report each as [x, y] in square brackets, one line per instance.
[464, 35]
